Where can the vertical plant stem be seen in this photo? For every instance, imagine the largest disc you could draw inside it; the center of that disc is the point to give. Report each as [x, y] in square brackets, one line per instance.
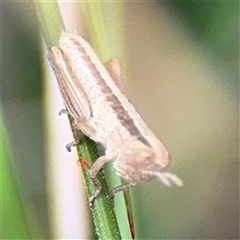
[103, 212]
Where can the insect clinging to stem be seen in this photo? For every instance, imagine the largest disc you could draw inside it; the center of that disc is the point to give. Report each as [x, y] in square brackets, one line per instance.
[103, 113]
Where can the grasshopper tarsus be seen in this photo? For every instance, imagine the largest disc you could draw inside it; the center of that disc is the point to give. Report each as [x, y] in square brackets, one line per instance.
[63, 111]
[71, 144]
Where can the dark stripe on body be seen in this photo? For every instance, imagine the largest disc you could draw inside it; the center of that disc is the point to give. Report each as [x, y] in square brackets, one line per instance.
[110, 97]
[144, 141]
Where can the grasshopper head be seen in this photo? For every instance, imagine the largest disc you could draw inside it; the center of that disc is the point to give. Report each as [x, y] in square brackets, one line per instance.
[142, 159]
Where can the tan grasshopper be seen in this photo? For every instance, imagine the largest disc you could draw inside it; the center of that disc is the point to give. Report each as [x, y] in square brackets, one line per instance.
[104, 114]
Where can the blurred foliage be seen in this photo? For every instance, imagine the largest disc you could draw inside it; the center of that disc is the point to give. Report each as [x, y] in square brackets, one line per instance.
[13, 217]
[214, 25]
[20, 53]
[22, 112]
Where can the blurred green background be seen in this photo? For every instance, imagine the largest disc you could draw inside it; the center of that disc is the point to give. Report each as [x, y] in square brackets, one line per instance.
[182, 72]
